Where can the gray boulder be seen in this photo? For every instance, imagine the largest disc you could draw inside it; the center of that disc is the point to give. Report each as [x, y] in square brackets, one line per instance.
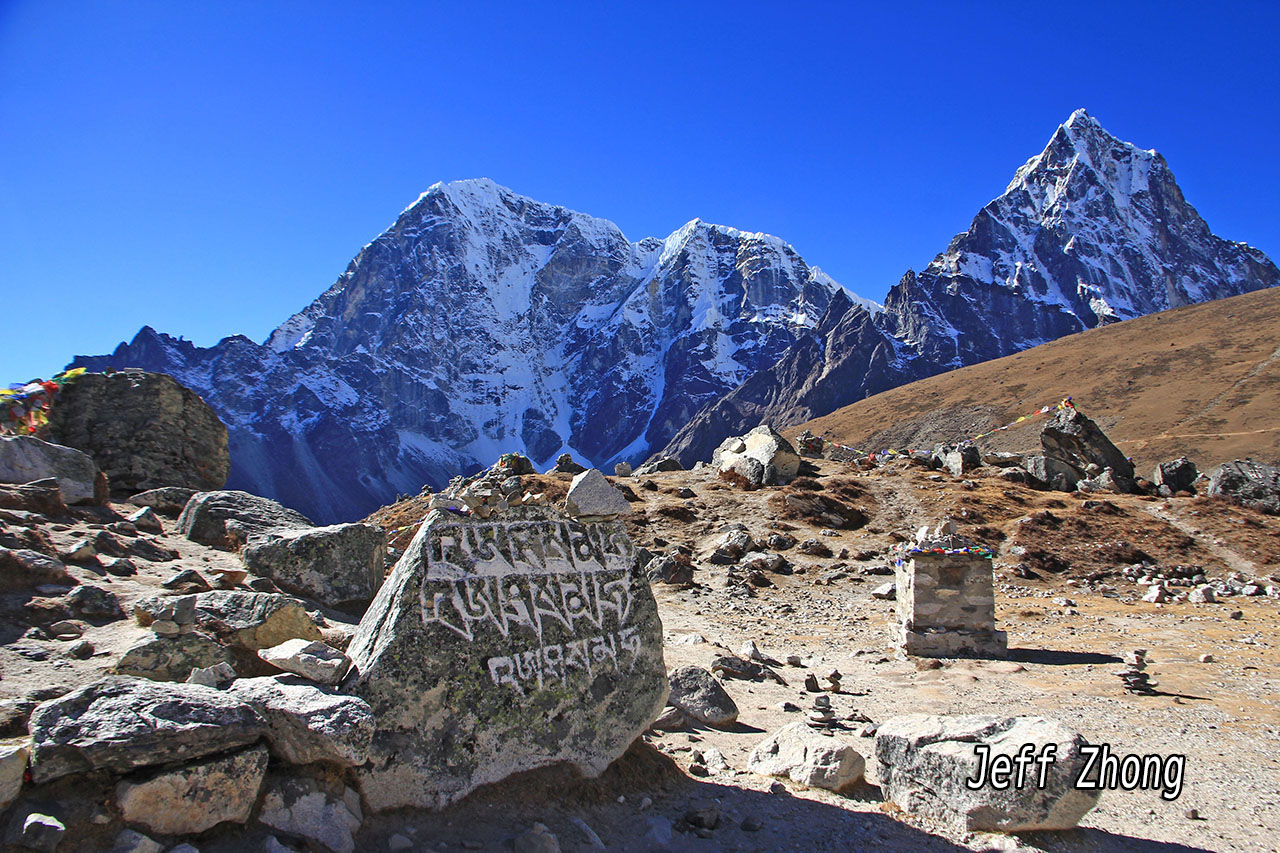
[1179, 475]
[340, 565]
[666, 463]
[254, 620]
[700, 697]
[121, 723]
[24, 458]
[1249, 483]
[195, 797]
[167, 500]
[227, 519]
[961, 460]
[592, 496]
[171, 658]
[1053, 473]
[13, 765]
[501, 645]
[144, 430]
[778, 461]
[1074, 439]
[307, 722]
[924, 762]
[317, 807]
[808, 758]
[309, 659]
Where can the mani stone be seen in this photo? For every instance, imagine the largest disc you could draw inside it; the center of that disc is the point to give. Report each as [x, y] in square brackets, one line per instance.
[925, 760]
[946, 602]
[501, 645]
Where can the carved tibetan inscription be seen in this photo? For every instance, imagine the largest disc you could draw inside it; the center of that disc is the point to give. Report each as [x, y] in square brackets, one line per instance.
[554, 594]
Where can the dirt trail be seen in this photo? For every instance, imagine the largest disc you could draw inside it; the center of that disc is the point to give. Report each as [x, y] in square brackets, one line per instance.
[1233, 560]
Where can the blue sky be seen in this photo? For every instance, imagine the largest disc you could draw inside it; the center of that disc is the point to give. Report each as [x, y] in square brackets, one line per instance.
[208, 169]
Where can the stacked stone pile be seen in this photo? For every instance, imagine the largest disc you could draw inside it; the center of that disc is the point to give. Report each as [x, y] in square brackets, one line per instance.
[1134, 675]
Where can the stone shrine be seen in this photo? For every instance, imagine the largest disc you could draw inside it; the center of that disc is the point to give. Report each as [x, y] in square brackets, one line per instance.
[500, 645]
[946, 598]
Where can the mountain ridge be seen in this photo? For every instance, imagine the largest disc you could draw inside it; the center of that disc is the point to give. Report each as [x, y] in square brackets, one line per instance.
[1090, 231]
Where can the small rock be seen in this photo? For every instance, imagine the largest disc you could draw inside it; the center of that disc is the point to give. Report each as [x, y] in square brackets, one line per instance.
[41, 832]
[885, 592]
[320, 809]
[591, 495]
[1206, 658]
[398, 842]
[121, 567]
[702, 814]
[310, 659]
[751, 823]
[537, 839]
[146, 520]
[188, 580]
[94, 604]
[81, 649]
[212, 676]
[132, 841]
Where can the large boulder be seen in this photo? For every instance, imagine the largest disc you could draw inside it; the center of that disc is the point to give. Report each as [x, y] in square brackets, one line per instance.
[593, 496]
[1250, 483]
[307, 722]
[501, 645]
[340, 565]
[1178, 475]
[772, 459]
[924, 762]
[196, 797]
[700, 697]
[145, 430]
[121, 723]
[227, 519]
[24, 458]
[1053, 473]
[1073, 438]
[808, 758]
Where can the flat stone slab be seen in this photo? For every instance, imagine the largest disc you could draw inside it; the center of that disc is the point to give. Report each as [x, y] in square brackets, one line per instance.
[502, 645]
[122, 723]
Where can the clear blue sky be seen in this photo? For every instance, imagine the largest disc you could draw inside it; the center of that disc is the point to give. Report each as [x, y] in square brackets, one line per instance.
[210, 168]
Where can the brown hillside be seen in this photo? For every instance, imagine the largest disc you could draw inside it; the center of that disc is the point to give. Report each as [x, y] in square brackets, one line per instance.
[1201, 380]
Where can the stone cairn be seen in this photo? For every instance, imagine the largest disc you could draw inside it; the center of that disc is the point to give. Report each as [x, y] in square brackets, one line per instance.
[946, 597]
[1134, 675]
[821, 716]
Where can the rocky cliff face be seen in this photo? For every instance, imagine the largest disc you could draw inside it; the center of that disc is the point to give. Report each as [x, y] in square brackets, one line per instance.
[484, 322]
[1090, 231]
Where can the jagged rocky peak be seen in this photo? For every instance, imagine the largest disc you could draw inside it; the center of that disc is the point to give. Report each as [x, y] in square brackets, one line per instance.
[1091, 230]
[483, 322]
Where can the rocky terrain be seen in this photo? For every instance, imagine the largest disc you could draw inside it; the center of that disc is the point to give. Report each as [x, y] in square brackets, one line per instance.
[484, 322]
[796, 576]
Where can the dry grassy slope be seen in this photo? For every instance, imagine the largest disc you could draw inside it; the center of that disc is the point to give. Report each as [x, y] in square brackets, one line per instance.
[1202, 380]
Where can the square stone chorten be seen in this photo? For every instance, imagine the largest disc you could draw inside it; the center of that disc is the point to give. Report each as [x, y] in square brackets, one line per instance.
[946, 598]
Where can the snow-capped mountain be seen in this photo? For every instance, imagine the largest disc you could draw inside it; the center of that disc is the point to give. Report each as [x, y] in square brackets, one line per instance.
[484, 322]
[1090, 231]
